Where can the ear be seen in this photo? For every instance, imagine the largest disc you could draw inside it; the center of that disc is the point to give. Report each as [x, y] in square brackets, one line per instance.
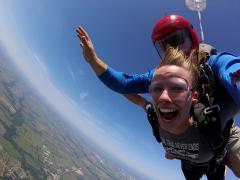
[195, 97]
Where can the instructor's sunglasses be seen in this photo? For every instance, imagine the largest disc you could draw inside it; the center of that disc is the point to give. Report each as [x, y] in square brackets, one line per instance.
[180, 38]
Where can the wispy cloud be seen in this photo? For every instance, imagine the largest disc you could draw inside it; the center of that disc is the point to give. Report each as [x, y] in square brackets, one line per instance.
[70, 70]
[42, 67]
[83, 95]
[72, 74]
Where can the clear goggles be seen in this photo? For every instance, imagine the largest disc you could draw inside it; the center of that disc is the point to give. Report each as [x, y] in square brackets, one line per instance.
[175, 87]
[180, 38]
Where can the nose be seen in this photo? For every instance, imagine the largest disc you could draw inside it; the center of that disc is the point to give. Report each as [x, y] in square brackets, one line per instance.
[164, 96]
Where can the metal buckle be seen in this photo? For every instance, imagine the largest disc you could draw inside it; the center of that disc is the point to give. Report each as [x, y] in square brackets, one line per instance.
[211, 109]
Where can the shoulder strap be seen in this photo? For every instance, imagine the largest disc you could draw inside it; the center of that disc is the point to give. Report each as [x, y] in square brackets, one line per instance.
[206, 77]
[152, 119]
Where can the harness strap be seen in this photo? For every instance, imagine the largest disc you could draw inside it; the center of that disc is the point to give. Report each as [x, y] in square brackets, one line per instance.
[210, 125]
[152, 119]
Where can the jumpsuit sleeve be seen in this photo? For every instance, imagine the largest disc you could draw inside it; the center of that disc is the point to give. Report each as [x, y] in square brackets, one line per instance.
[126, 84]
[226, 67]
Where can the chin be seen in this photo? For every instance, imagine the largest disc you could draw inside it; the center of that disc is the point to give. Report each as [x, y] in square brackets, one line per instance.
[168, 125]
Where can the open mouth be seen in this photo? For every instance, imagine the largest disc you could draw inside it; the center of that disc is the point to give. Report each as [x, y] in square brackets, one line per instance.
[168, 114]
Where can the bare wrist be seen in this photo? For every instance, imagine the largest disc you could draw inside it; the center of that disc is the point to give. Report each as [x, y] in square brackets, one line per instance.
[97, 65]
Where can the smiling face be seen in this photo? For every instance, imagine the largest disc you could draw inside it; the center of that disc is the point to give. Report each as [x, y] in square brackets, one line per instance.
[172, 97]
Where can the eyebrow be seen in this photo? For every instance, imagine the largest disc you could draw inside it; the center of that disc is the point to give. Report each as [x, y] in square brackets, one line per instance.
[170, 76]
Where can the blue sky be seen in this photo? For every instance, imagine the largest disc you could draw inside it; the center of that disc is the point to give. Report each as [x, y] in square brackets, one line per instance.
[40, 38]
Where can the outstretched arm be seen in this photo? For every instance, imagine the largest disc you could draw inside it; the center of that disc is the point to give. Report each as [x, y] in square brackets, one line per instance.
[117, 81]
[89, 53]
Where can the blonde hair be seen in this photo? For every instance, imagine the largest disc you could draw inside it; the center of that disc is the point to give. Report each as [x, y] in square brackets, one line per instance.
[175, 56]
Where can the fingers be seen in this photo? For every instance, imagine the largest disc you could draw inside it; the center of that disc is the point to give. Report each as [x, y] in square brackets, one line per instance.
[83, 36]
[81, 44]
[81, 32]
[83, 41]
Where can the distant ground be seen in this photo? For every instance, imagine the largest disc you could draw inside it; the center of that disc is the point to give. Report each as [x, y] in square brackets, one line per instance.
[36, 143]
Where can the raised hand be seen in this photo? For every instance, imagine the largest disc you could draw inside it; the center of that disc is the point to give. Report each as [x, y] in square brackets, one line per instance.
[86, 44]
[89, 53]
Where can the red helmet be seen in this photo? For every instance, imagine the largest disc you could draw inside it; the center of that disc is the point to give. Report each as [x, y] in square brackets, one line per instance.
[174, 30]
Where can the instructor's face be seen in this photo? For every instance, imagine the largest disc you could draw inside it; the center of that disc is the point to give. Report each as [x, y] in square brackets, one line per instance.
[172, 97]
